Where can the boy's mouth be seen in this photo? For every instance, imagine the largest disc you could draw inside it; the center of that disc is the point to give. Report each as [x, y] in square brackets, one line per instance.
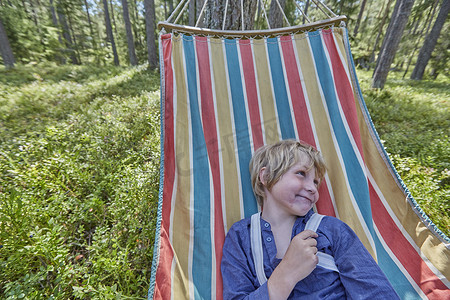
[305, 197]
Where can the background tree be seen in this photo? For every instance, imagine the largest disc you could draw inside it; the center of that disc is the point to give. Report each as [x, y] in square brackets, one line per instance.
[5, 48]
[129, 33]
[215, 15]
[430, 42]
[60, 57]
[358, 19]
[61, 11]
[391, 41]
[37, 34]
[439, 61]
[276, 18]
[417, 30]
[192, 15]
[380, 27]
[91, 28]
[109, 32]
[149, 6]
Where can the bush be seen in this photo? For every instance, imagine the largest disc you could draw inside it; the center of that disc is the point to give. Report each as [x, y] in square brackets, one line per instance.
[79, 173]
[79, 165]
[412, 119]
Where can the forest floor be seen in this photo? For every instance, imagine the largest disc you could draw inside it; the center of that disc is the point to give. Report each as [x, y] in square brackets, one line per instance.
[79, 172]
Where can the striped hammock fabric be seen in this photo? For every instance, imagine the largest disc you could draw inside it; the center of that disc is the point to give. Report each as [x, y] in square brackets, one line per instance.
[224, 98]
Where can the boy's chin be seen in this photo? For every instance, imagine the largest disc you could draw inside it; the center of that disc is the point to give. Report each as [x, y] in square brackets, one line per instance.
[301, 212]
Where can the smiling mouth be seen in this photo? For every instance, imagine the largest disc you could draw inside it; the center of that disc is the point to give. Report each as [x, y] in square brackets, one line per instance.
[305, 197]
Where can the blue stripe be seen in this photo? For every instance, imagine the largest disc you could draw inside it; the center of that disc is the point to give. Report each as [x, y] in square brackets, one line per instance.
[202, 257]
[241, 126]
[357, 179]
[395, 276]
[279, 89]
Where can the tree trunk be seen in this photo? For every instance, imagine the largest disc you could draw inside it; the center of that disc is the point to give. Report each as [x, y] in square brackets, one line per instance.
[74, 41]
[66, 34]
[358, 20]
[199, 5]
[113, 17]
[305, 11]
[129, 32]
[149, 7]
[391, 42]
[440, 61]
[215, 14]
[276, 13]
[191, 20]
[430, 42]
[60, 58]
[135, 23]
[419, 36]
[5, 48]
[170, 7]
[91, 29]
[380, 30]
[109, 32]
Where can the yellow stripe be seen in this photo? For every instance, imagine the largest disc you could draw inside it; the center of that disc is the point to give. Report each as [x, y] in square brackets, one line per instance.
[180, 287]
[181, 218]
[344, 204]
[226, 135]
[429, 244]
[265, 92]
[338, 35]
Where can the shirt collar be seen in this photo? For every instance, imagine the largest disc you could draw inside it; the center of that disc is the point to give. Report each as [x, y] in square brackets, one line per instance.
[300, 223]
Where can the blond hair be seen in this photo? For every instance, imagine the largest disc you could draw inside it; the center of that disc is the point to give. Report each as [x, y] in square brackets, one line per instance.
[277, 159]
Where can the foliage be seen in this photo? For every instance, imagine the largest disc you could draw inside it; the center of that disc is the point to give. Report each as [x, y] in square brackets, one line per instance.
[412, 119]
[79, 174]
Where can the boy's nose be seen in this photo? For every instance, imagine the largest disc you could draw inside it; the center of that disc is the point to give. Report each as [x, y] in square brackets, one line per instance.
[311, 187]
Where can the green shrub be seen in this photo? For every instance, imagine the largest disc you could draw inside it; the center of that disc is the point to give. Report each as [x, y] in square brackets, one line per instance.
[412, 119]
[79, 175]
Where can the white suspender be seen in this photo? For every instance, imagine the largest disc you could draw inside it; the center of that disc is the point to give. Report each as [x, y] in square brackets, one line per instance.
[325, 260]
[255, 232]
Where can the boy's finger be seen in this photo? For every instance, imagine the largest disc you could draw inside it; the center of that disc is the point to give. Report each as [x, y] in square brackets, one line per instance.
[307, 234]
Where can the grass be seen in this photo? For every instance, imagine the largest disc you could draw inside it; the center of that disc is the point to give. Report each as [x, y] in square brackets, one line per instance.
[79, 165]
[413, 121]
[79, 173]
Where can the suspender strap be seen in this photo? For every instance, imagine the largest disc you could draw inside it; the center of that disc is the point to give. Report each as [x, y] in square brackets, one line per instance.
[255, 239]
[325, 260]
[313, 222]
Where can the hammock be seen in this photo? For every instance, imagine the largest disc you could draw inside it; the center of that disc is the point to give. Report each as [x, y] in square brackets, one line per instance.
[223, 97]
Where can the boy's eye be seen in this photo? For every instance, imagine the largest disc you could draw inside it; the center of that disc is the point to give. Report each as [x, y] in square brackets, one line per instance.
[316, 182]
[303, 173]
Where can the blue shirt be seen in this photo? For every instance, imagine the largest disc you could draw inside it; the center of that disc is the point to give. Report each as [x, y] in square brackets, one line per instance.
[359, 275]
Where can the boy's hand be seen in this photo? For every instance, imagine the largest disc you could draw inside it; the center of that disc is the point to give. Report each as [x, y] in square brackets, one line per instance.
[298, 262]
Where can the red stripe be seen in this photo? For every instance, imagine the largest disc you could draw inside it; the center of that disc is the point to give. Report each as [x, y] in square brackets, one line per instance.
[325, 205]
[212, 146]
[163, 286]
[425, 278]
[252, 91]
[343, 88]
[302, 118]
[163, 274]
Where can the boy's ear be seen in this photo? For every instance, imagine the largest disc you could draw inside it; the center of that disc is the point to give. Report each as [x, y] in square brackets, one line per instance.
[262, 176]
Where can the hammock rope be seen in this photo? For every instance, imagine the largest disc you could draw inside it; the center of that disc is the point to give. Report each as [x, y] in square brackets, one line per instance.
[282, 12]
[201, 13]
[184, 4]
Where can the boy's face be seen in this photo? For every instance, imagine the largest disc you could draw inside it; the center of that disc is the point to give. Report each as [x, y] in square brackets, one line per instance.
[295, 193]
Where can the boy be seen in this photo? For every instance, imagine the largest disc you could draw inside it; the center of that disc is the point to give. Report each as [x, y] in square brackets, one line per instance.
[330, 263]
